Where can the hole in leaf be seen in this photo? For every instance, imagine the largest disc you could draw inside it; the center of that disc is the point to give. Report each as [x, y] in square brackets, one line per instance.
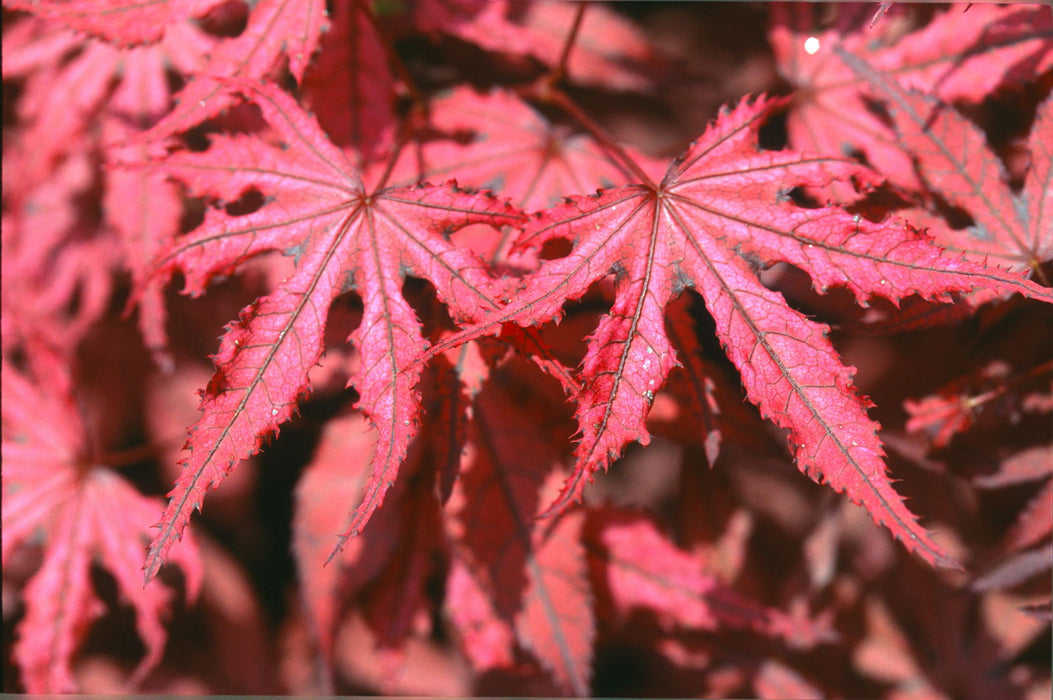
[772, 135]
[956, 217]
[877, 204]
[226, 20]
[798, 197]
[248, 202]
[878, 109]
[556, 248]
[193, 215]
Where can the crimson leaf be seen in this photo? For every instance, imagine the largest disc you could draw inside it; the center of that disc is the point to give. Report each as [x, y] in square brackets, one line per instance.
[721, 210]
[958, 56]
[84, 510]
[343, 238]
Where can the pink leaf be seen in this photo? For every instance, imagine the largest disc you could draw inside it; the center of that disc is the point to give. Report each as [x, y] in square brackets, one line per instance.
[720, 209]
[85, 512]
[530, 573]
[276, 30]
[342, 238]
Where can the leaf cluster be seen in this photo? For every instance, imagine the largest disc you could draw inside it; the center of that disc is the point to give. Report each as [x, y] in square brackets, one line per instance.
[461, 276]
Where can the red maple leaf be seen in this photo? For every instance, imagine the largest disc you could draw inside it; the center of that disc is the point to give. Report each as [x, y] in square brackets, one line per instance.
[81, 95]
[955, 407]
[951, 157]
[119, 22]
[610, 51]
[332, 480]
[53, 487]
[514, 151]
[106, 170]
[518, 578]
[41, 285]
[343, 238]
[642, 569]
[721, 211]
[958, 56]
[277, 30]
[1021, 554]
[350, 85]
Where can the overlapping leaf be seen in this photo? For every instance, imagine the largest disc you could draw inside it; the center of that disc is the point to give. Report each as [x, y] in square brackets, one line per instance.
[120, 92]
[349, 85]
[643, 570]
[277, 31]
[517, 578]
[514, 151]
[958, 56]
[953, 160]
[84, 512]
[343, 238]
[332, 481]
[611, 52]
[121, 22]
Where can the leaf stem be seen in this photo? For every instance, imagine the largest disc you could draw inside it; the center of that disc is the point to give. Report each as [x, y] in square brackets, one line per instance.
[559, 72]
[622, 160]
[139, 453]
[415, 96]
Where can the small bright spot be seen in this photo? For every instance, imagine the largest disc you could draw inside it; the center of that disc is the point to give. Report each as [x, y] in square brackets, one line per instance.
[811, 45]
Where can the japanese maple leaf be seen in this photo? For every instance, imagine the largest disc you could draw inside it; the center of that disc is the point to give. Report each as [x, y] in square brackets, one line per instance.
[120, 22]
[693, 385]
[343, 238]
[333, 479]
[71, 79]
[516, 579]
[958, 56]
[955, 406]
[719, 213]
[1020, 553]
[918, 637]
[514, 151]
[952, 158]
[609, 51]
[79, 94]
[57, 270]
[277, 30]
[350, 85]
[142, 207]
[80, 512]
[385, 569]
[641, 569]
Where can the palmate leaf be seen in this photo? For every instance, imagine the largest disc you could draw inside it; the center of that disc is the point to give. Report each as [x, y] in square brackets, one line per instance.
[959, 56]
[517, 578]
[349, 86]
[610, 51]
[333, 479]
[277, 31]
[641, 569]
[120, 22]
[343, 238]
[952, 158]
[720, 212]
[80, 512]
[514, 151]
[76, 101]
